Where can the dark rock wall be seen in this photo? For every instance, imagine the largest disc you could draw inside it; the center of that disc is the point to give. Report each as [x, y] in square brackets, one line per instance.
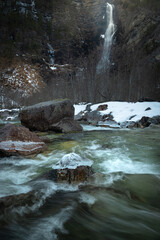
[136, 53]
[73, 29]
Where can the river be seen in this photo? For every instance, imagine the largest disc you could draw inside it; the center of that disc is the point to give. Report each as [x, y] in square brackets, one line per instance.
[121, 202]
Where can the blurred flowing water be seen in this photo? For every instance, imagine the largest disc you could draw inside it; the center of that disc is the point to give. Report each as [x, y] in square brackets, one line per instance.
[121, 202]
[108, 39]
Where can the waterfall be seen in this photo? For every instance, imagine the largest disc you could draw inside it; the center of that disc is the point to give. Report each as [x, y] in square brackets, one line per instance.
[108, 37]
[51, 54]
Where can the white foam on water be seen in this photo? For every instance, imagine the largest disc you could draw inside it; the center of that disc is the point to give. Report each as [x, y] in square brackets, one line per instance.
[16, 176]
[51, 158]
[87, 198]
[93, 128]
[15, 173]
[118, 159]
[94, 145]
[48, 188]
[46, 228]
[7, 189]
[72, 161]
[115, 160]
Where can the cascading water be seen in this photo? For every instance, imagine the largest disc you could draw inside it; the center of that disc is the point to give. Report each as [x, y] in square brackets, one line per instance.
[108, 38]
[51, 57]
[51, 54]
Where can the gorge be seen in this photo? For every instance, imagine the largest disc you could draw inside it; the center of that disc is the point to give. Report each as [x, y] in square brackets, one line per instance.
[80, 119]
[70, 35]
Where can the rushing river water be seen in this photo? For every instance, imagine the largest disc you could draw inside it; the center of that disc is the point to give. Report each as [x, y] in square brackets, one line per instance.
[121, 202]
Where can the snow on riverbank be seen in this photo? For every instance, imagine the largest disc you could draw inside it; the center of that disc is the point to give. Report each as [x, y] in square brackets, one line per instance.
[124, 111]
[121, 111]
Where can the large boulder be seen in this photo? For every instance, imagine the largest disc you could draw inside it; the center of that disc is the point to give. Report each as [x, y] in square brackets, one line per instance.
[77, 175]
[54, 115]
[18, 140]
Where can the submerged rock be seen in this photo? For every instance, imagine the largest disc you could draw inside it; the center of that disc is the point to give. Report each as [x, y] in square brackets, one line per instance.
[79, 174]
[45, 139]
[18, 140]
[56, 115]
[8, 203]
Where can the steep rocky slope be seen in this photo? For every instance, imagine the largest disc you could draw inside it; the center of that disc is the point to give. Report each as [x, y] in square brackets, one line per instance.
[136, 54]
[50, 49]
[37, 33]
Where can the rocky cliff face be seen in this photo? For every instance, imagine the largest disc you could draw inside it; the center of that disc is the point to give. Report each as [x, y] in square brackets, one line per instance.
[36, 34]
[50, 49]
[136, 53]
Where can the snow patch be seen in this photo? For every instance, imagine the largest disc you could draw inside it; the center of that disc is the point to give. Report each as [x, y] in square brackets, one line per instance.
[124, 111]
[102, 36]
[20, 145]
[53, 68]
[25, 79]
[79, 108]
[127, 111]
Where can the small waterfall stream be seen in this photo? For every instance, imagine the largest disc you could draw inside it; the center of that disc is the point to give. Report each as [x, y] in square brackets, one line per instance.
[108, 38]
[51, 54]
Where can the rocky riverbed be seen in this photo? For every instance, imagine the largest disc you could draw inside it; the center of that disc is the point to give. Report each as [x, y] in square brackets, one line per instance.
[122, 189]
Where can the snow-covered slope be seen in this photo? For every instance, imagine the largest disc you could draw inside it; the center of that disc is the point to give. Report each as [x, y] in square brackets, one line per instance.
[124, 111]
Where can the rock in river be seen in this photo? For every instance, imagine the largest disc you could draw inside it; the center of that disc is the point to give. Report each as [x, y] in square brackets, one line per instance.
[77, 175]
[56, 115]
[18, 140]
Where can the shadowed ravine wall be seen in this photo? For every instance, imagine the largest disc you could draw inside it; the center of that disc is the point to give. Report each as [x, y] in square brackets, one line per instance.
[73, 28]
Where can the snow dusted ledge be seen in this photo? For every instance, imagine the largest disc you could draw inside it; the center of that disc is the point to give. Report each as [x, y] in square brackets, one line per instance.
[120, 112]
[20, 145]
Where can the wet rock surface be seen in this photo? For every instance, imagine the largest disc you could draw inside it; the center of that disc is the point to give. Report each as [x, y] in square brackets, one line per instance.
[8, 203]
[77, 175]
[18, 140]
